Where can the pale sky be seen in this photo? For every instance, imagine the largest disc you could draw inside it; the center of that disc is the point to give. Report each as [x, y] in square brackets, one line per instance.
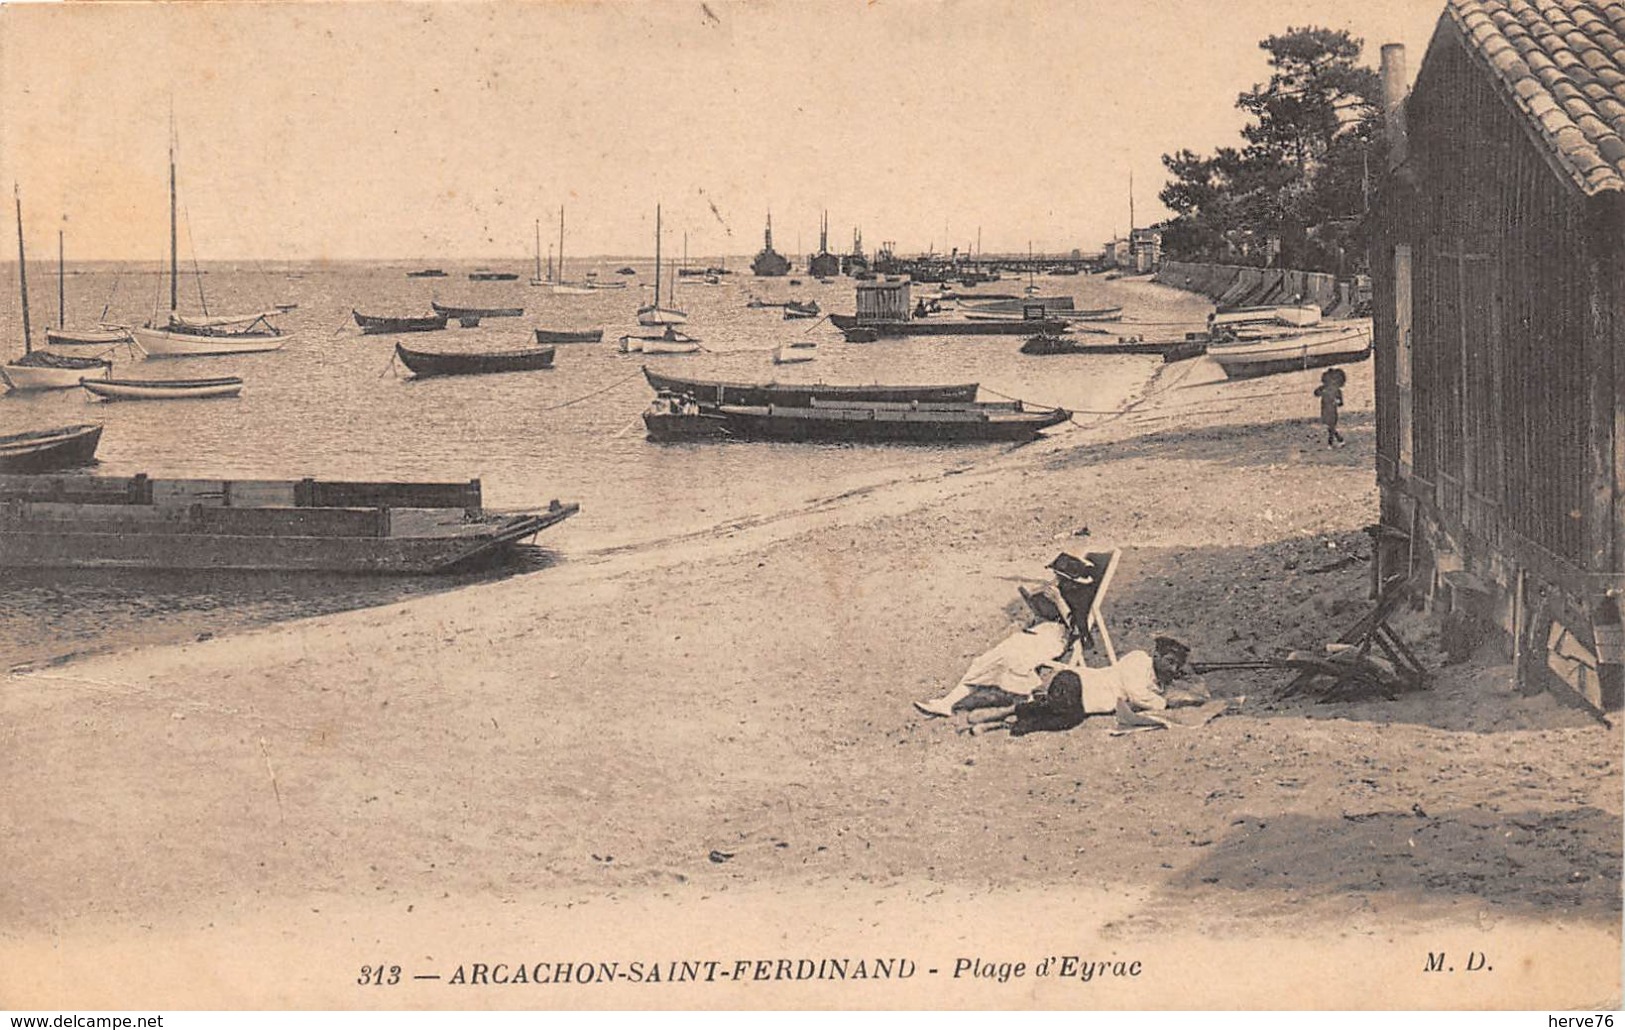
[443, 130]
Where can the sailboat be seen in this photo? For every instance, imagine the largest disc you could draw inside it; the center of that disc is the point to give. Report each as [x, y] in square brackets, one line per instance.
[669, 341]
[38, 369]
[654, 314]
[183, 336]
[570, 289]
[105, 335]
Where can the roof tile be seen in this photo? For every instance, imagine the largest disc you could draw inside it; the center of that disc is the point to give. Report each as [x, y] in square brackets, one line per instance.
[1562, 64]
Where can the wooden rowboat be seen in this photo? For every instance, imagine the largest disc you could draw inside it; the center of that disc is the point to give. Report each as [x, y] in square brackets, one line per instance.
[44, 450]
[390, 324]
[1250, 356]
[569, 335]
[453, 363]
[163, 389]
[456, 312]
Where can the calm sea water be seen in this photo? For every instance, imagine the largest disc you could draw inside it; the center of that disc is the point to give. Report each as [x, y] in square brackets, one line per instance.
[332, 404]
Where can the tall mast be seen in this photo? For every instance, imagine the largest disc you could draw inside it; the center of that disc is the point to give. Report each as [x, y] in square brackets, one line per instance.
[22, 272]
[538, 248]
[561, 243]
[61, 306]
[174, 261]
[657, 260]
[1131, 203]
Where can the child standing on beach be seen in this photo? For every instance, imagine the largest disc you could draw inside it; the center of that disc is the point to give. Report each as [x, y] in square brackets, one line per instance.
[1330, 392]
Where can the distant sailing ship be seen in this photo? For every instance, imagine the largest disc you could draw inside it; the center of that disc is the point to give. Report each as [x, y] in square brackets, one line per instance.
[769, 262]
[824, 264]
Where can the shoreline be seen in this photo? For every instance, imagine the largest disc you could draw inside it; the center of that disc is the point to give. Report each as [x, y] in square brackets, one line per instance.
[597, 731]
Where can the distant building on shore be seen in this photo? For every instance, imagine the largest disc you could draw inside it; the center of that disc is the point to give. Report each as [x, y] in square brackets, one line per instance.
[768, 261]
[1498, 268]
[1140, 252]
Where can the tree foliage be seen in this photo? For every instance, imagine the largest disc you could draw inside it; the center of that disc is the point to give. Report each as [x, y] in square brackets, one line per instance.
[1294, 192]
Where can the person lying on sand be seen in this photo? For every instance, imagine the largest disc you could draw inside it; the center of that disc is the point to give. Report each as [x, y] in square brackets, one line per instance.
[1009, 673]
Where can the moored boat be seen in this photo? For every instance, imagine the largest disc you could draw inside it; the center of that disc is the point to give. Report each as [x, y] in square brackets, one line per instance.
[789, 354]
[1266, 354]
[427, 273]
[41, 370]
[163, 389]
[452, 311]
[393, 324]
[717, 391]
[569, 335]
[44, 450]
[106, 336]
[674, 416]
[98, 522]
[880, 422]
[1299, 315]
[464, 363]
[485, 275]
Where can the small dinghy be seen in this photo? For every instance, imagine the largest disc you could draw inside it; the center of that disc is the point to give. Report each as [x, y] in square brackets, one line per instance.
[46, 449]
[163, 389]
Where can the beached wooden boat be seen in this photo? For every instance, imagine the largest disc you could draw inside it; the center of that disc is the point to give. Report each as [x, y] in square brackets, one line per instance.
[394, 324]
[163, 389]
[789, 354]
[45, 450]
[881, 422]
[453, 311]
[1046, 345]
[455, 363]
[1266, 354]
[1300, 315]
[95, 522]
[717, 391]
[861, 333]
[569, 335]
[673, 417]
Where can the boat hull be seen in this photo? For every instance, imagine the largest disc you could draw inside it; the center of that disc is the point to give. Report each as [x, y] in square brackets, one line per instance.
[49, 449]
[86, 337]
[667, 427]
[161, 343]
[425, 364]
[455, 312]
[88, 522]
[162, 389]
[1249, 359]
[715, 392]
[849, 325]
[545, 336]
[885, 424]
[379, 324]
[29, 378]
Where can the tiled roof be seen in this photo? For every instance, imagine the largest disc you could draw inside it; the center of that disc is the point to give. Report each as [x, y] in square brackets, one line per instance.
[1562, 62]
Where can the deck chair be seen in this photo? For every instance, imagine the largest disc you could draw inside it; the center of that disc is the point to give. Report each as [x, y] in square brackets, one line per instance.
[1083, 584]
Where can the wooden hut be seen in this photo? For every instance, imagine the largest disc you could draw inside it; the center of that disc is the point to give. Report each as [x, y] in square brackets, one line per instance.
[883, 301]
[1499, 311]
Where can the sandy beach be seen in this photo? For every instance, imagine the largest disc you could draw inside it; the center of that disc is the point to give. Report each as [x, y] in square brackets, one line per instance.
[704, 747]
